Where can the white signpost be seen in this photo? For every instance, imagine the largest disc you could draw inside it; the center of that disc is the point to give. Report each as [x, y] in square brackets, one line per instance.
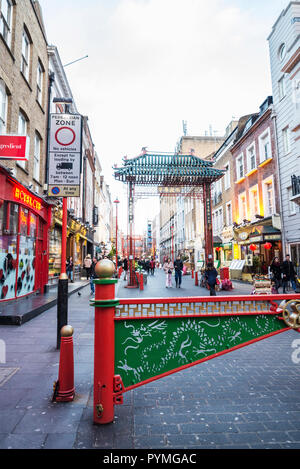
[65, 155]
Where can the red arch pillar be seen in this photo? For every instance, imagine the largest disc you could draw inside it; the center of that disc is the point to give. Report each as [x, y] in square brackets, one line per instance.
[208, 232]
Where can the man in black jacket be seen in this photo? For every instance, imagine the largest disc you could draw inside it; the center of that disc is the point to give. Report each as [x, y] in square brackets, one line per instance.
[178, 265]
[288, 273]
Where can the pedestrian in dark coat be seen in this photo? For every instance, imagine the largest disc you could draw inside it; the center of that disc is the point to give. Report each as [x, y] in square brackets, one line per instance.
[178, 265]
[288, 273]
[275, 268]
[211, 278]
[125, 267]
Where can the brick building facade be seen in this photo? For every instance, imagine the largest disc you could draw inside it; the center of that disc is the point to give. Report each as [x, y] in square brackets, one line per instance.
[23, 86]
[256, 207]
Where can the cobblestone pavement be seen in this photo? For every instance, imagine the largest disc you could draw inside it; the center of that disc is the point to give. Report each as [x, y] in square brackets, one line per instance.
[248, 398]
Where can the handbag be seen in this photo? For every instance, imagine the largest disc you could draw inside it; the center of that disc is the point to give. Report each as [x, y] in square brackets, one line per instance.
[169, 271]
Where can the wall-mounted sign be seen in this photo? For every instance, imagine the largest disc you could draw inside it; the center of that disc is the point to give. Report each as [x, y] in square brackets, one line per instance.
[26, 198]
[65, 155]
[243, 235]
[14, 147]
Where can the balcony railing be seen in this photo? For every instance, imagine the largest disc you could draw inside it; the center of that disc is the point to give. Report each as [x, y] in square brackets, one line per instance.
[295, 185]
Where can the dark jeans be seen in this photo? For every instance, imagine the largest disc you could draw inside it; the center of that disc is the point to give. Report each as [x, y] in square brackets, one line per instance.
[92, 285]
[178, 275]
[285, 283]
[212, 290]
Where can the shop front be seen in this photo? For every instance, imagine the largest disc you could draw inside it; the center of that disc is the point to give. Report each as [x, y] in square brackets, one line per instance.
[24, 225]
[259, 244]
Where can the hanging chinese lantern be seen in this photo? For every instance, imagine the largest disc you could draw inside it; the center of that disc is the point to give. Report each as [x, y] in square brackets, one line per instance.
[267, 245]
[253, 247]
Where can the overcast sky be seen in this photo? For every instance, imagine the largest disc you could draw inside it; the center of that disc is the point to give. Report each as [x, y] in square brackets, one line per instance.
[154, 63]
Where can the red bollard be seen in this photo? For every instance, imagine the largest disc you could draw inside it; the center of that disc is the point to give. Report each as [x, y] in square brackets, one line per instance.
[64, 390]
[196, 279]
[104, 343]
[141, 281]
[192, 274]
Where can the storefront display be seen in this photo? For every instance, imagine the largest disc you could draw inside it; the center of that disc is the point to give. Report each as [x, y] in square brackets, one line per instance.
[24, 221]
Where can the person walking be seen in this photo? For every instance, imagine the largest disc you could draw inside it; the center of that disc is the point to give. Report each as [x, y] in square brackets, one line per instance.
[178, 265]
[288, 273]
[152, 266]
[275, 269]
[93, 275]
[211, 278]
[168, 269]
[69, 269]
[125, 267]
[87, 263]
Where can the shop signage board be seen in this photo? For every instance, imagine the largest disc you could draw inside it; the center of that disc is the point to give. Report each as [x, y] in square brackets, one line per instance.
[65, 151]
[14, 147]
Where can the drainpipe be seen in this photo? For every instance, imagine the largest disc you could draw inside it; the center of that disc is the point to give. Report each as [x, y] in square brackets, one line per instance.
[273, 116]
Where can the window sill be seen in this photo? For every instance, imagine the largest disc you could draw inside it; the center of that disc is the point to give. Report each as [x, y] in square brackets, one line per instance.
[251, 172]
[263, 163]
[38, 182]
[240, 180]
[23, 169]
[7, 47]
[40, 106]
[26, 81]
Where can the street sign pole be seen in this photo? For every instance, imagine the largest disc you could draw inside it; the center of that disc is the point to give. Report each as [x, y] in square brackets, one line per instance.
[62, 290]
[64, 154]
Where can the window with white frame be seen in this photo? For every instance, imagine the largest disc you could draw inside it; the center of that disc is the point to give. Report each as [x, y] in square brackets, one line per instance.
[228, 214]
[251, 157]
[240, 166]
[242, 202]
[6, 20]
[227, 176]
[37, 156]
[265, 146]
[286, 140]
[39, 82]
[291, 204]
[22, 130]
[268, 195]
[281, 87]
[3, 107]
[254, 201]
[25, 55]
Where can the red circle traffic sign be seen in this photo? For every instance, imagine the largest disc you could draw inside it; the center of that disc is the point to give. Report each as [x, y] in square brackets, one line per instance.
[65, 136]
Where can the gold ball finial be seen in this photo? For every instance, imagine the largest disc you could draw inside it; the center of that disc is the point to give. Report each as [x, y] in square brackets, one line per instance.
[105, 268]
[66, 331]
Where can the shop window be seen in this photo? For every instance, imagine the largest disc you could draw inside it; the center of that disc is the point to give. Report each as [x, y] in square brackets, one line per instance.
[23, 221]
[26, 267]
[32, 225]
[13, 218]
[8, 250]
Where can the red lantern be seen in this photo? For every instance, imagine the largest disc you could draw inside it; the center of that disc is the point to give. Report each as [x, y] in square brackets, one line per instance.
[253, 247]
[267, 245]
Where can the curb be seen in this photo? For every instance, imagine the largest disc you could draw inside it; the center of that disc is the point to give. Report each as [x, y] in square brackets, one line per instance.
[15, 319]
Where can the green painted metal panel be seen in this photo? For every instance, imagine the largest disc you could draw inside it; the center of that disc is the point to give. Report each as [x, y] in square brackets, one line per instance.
[148, 348]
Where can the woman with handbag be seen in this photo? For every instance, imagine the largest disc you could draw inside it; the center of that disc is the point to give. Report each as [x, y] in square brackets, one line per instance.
[168, 269]
[211, 274]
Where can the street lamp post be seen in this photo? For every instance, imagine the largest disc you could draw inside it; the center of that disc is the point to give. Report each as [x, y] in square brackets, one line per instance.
[116, 202]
